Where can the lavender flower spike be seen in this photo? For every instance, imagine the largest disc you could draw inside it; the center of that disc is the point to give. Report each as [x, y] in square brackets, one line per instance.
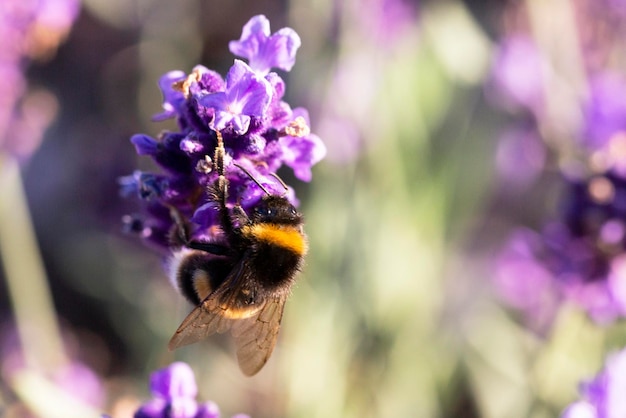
[246, 95]
[265, 51]
[261, 132]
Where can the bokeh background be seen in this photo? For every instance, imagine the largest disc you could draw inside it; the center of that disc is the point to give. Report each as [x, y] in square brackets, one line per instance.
[395, 314]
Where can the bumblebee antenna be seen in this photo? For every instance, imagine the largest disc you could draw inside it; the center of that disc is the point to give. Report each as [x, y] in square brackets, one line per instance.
[258, 183]
[282, 183]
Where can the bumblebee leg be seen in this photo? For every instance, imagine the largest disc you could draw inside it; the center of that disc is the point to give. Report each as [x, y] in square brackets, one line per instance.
[209, 247]
[240, 216]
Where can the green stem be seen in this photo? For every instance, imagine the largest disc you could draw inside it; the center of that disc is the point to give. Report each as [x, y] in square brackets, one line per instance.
[35, 316]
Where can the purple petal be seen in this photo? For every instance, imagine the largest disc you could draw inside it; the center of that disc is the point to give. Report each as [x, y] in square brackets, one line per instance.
[302, 153]
[144, 144]
[218, 101]
[247, 94]
[172, 98]
[263, 51]
[278, 84]
[206, 215]
[253, 35]
[174, 381]
[278, 52]
[253, 95]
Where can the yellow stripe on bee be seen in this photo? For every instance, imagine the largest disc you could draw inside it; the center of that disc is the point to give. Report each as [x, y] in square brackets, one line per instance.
[283, 236]
[243, 313]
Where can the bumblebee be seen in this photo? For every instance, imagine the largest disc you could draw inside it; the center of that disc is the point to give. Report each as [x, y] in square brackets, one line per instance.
[241, 282]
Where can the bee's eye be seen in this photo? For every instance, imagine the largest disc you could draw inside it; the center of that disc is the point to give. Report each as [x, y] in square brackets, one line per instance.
[294, 211]
[264, 211]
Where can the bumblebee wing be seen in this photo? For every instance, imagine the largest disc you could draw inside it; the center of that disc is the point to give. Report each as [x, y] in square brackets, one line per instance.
[255, 337]
[217, 313]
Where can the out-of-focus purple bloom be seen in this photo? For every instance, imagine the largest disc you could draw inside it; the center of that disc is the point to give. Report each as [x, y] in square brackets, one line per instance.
[72, 377]
[387, 20]
[618, 6]
[28, 29]
[246, 95]
[523, 281]
[518, 71]
[175, 381]
[260, 131]
[605, 111]
[265, 51]
[174, 390]
[580, 258]
[604, 394]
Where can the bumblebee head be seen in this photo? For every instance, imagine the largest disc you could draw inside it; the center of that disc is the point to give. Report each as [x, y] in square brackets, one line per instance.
[276, 210]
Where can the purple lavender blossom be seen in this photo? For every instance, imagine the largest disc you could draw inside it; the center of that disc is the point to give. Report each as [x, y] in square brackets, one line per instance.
[246, 95]
[523, 281]
[265, 51]
[261, 133]
[72, 377]
[604, 394]
[28, 29]
[174, 390]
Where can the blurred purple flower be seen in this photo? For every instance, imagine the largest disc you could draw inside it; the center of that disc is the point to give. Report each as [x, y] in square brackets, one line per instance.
[28, 29]
[581, 257]
[261, 133]
[604, 394]
[265, 51]
[387, 20]
[523, 281]
[618, 6]
[73, 376]
[605, 110]
[246, 95]
[174, 390]
[517, 73]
